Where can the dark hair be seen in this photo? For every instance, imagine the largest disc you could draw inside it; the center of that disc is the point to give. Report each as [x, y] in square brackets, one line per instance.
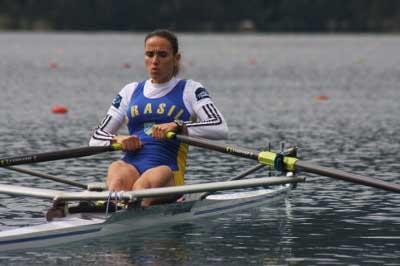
[170, 37]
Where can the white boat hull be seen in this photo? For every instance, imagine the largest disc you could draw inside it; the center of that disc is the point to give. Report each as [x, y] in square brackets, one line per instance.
[82, 226]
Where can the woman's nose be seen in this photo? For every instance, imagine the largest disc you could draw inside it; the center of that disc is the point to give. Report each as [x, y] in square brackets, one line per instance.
[155, 59]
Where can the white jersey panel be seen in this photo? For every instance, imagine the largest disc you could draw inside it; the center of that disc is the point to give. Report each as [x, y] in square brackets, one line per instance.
[207, 121]
[115, 118]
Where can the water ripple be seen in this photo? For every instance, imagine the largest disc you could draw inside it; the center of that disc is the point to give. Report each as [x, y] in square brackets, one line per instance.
[324, 222]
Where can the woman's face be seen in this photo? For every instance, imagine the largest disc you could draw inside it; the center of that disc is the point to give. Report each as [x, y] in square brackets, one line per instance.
[159, 59]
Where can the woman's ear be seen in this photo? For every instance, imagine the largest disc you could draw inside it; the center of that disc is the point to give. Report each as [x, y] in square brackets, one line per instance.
[178, 57]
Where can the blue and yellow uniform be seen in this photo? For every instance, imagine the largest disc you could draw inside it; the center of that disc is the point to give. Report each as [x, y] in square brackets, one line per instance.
[144, 104]
[142, 114]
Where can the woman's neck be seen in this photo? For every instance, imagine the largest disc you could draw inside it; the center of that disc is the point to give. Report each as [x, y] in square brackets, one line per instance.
[164, 84]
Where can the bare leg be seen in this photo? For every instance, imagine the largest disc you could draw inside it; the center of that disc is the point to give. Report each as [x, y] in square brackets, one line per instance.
[121, 176]
[160, 176]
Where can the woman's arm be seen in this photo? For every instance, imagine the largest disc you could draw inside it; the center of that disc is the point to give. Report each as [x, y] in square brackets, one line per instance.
[106, 131]
[209, 122]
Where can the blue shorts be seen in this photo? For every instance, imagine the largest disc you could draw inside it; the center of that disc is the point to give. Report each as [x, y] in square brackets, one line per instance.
[150, 156]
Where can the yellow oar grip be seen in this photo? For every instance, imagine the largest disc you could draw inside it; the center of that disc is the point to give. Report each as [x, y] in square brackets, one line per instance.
[116, 146]
[268, 158]
[170, 135]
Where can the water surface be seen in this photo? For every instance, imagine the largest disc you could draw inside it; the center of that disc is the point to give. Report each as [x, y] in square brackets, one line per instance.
[267, 87]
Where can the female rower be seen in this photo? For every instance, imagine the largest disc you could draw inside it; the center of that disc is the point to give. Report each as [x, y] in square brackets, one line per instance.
[152, 108]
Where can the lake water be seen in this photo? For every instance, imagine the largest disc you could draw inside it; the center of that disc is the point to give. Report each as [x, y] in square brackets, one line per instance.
[270, 88]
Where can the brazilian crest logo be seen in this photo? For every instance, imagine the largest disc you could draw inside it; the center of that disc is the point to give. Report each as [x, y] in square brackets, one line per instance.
[148, 128]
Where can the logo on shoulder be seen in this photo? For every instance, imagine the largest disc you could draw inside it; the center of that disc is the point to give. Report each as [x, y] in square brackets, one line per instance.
[117, 101]
[201, 93]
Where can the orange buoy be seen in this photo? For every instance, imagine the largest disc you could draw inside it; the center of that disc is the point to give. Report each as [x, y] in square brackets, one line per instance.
[53, 65]
[252, 61]
[59, 109]
[126, 65]
[321, 98]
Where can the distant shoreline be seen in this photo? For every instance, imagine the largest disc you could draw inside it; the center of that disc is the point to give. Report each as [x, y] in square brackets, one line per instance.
[220, 16]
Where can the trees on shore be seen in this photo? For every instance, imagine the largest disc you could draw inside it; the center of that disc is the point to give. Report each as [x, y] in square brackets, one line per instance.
[205, 15]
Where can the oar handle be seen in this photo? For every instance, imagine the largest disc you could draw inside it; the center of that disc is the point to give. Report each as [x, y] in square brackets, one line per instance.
[58, 155]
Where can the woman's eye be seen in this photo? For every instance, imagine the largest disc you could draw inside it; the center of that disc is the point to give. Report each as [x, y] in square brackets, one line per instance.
[162, 54]
[149, 54]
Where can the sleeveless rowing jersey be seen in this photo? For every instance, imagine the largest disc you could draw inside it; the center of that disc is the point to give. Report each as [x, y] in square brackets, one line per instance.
[142, 114]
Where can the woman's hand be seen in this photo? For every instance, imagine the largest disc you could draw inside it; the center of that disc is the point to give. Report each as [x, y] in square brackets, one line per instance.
[160, 130]
[129, 143]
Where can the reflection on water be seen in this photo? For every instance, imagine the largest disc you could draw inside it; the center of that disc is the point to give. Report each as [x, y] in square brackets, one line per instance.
[273, 99]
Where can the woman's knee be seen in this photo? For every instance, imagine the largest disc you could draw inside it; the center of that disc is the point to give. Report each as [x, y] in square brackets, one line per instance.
[121, 176]
[117, 166]
[141, 183]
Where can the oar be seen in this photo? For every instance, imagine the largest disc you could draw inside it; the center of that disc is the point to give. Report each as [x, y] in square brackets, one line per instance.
[47, 176]
[57, 155]
[288, 163]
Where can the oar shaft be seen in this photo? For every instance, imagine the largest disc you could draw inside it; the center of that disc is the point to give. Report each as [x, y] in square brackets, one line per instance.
[46, 176]
[57, 155]
[338, 174]
[264, 157]
[212, 145]
[247, 172]
[290, 163]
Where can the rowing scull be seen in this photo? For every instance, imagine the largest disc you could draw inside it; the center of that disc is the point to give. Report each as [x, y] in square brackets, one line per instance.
[87, 225]
[82, 225]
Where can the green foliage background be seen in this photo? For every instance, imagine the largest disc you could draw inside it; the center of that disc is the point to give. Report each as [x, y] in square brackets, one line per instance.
[202, 15]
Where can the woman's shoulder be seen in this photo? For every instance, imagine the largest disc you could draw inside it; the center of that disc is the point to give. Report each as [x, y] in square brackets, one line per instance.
[193, 87]
[195, 91]
[128, 89]
[130, 86]
[192, 84]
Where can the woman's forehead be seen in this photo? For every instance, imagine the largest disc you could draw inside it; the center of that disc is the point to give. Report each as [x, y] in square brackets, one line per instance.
[157, 43]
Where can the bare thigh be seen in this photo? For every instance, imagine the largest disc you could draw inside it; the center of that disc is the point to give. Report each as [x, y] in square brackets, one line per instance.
[121, 176]
[160, 176]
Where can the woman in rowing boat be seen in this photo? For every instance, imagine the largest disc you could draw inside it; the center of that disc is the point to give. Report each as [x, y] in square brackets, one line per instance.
[152, 108]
